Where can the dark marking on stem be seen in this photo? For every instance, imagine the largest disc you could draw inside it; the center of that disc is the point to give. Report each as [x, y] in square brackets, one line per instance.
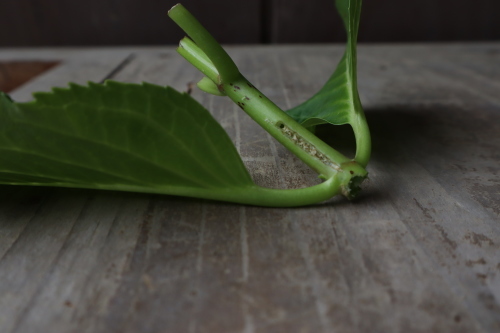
[221, 88]
[246, 98]
[302, 143]
[260, 96]
[237, 87]
[352, 172]
[250, 85]
[231, 84]
[241, 105]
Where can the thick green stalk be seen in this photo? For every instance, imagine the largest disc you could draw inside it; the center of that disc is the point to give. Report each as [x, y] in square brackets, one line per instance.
[252, 195]
[308, 147]
[222, 61]
[328, 162]
[359, 124]
[363, 138]
[192, 53]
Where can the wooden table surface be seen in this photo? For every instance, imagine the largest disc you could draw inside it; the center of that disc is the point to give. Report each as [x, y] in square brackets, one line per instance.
[418, 252]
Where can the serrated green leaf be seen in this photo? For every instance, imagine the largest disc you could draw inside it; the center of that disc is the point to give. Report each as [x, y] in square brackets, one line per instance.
[117, 136]
[338, 101]
[130, 137]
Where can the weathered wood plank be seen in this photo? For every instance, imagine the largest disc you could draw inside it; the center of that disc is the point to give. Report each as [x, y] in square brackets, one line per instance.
[417, 253]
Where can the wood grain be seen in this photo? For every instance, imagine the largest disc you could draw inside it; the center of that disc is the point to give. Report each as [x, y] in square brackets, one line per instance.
[418, 252]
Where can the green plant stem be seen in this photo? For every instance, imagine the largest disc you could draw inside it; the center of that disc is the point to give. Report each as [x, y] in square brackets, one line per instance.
[252, 195]
[222, 61]
[296, 138]
[363, 139]
[359, 123]
[192, 53]
[325, 160]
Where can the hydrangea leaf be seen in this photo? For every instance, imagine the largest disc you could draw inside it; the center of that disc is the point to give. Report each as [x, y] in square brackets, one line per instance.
[131, 137]
[116, 136]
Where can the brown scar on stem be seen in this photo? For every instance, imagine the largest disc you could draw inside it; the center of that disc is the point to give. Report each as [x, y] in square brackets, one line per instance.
[247, 98]
[305, 145]
[250, 85]
[237, 87]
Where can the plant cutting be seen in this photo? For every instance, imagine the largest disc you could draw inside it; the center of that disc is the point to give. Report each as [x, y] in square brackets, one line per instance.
[153, 139]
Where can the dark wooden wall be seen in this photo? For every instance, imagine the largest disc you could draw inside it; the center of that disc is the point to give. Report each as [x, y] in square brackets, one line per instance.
[134, 22]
